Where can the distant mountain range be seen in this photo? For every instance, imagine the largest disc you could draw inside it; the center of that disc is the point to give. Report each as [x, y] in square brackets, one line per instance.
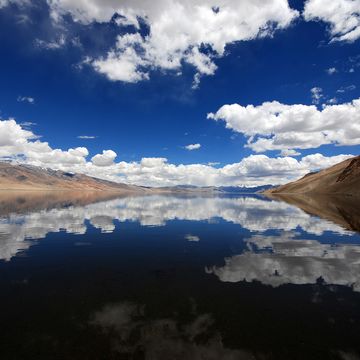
[342, 179]
[27, 177]
[244, 189]
[219, 189]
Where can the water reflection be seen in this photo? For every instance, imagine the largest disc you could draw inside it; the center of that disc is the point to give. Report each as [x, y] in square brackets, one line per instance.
[134, 335]
[17, 226]
[285, 259]
[343, 210]
[164, 277]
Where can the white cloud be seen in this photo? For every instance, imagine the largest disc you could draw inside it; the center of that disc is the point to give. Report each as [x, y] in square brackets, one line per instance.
[53, 44]
[191, 147]
[124, 64]
[105, 159]
[343, 89]
[16, 141]
[4, 3]
[153, 162]
[41, 154]
[316, 94]
[87, 137]
[333, 100]
[276, 126]
[27, 99]
[27, 124]
[180, 32]
[343, 16]
[287, 152]
[331, 70]
[13, 138]
[254, 170]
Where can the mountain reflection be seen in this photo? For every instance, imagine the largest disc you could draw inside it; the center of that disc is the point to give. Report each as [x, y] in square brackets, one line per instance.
[343, 210]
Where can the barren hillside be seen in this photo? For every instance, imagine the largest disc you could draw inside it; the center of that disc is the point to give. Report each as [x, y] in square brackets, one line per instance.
[342, 178]
[25, 177]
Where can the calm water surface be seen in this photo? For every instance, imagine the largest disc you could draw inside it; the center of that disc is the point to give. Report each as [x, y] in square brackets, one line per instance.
[164, 277]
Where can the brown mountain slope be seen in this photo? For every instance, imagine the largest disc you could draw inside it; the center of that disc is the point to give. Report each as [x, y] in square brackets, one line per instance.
[342, 178]
[25, 177]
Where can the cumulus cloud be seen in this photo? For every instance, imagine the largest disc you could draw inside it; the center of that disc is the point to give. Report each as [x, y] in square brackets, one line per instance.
[254, 170]
[277, 126]
[178, 31]
[191, 147]
[105, 159]
[16, 141]
[13, 138]
[343, 17]
[124, 63]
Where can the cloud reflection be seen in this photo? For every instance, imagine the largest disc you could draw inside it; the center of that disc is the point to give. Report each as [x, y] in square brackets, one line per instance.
[164, 338]
[284, 259]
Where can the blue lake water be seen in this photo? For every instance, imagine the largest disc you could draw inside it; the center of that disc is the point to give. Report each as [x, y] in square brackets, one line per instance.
[175, 277]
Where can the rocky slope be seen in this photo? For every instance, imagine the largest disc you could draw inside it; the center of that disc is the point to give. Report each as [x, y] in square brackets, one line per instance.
[342, 179]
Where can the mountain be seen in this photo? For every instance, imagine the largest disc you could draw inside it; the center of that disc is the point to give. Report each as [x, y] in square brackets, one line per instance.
[342, 178]
[26, 177]
[244, 189]
[217, 189]
[188, 189]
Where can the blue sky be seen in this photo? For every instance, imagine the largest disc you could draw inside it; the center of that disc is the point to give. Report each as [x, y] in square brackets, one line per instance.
[52, 60]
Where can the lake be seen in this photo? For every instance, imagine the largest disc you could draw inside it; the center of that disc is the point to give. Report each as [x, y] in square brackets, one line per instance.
[85, 276]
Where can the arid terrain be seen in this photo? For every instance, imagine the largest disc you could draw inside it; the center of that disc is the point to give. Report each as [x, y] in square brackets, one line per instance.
[25, 177]
[341, 179]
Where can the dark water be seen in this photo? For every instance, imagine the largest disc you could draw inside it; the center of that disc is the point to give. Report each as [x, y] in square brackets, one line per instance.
[163, 277]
